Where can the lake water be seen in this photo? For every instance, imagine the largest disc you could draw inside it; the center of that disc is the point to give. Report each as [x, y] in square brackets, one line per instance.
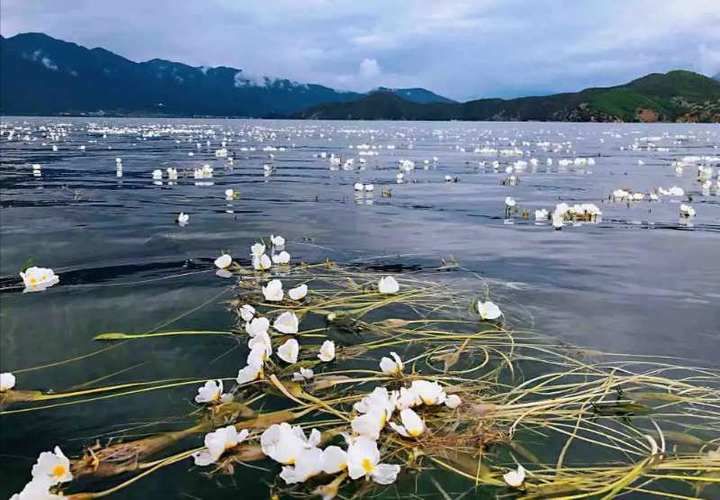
[639, 281]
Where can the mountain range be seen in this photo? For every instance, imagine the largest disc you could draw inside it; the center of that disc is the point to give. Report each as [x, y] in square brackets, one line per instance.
[44, 76]
[675, 96]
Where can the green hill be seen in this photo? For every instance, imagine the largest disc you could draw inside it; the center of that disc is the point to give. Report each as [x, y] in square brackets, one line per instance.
[673, 96]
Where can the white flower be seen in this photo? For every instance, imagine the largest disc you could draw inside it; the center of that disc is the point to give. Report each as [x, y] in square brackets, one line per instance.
[52, 467]
[261, 263]
[211, 392]
[430, 393]
[257, 249]
[453, 401]
[7, 381]
[36, 490]
[257, 326]
[298, 293]
[247, 312]
[358, 186]
[412, 424]
[557, 220]
[334, 460]
[303, 375]
[287, 322]
[388, 284]
[281, 258]
[309, 463]
[183, 218]
[510, 202]
[273, 292]
[327, 351]
[157, 174]
[369, 424]
[37, 279]
[488, 310]
[229, 194]
[515, 478]
[218, 442]
[284, 443]
[277, 241]
[363, 461]
[223, 262]
[172, 173]
[391, 366]
[249, 373]
[289, 351]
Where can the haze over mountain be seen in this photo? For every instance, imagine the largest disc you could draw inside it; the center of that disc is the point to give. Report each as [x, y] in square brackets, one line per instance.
[43, 75]
[674, 96]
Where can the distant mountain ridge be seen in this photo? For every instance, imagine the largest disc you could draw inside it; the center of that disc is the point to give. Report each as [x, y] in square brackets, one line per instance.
[418, 95]
[675, 96]
[43, 75]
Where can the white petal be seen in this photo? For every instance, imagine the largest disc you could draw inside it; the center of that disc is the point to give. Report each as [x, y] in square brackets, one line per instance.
[453, 401]
[7, 381]
[515, 478]
[223, 261]
[385, 473]
[288, 352]
[327, 351]
[287, 322]
[388, 285]
[298, 293]
[334, 460]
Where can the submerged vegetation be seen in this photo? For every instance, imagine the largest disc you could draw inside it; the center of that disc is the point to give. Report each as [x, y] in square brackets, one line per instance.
[357, 381]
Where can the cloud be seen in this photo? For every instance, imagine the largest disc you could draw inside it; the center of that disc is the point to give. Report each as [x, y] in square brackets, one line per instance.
[369, 69]
[461, 48]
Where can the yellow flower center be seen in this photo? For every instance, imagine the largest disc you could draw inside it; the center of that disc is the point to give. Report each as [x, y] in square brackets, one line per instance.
[428, 401]
[59, 471]
[415, 432]
[367, 465]
[33, 281]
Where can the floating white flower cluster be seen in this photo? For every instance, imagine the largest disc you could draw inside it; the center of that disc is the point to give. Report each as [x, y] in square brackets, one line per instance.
[278, 255]
[583, 212]
[204, 172]
[302, 456]
[627, 196]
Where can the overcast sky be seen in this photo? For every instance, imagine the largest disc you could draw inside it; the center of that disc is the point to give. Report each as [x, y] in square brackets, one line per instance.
[462, 49]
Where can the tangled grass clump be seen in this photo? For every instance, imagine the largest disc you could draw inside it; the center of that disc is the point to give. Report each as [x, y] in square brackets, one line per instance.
[581, 424]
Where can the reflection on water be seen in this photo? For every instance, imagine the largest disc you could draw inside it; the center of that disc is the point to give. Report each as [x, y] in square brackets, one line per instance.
[638, 281]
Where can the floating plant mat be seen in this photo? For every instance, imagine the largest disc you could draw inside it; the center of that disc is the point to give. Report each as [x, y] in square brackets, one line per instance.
[384, 390]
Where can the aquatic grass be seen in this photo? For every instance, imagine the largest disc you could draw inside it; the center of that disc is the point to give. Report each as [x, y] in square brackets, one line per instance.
[584, 424]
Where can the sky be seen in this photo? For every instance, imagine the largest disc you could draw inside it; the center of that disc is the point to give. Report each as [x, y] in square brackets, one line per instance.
[461, 49]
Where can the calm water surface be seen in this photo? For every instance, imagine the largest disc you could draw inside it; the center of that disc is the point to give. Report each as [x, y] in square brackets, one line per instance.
[640, 281]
